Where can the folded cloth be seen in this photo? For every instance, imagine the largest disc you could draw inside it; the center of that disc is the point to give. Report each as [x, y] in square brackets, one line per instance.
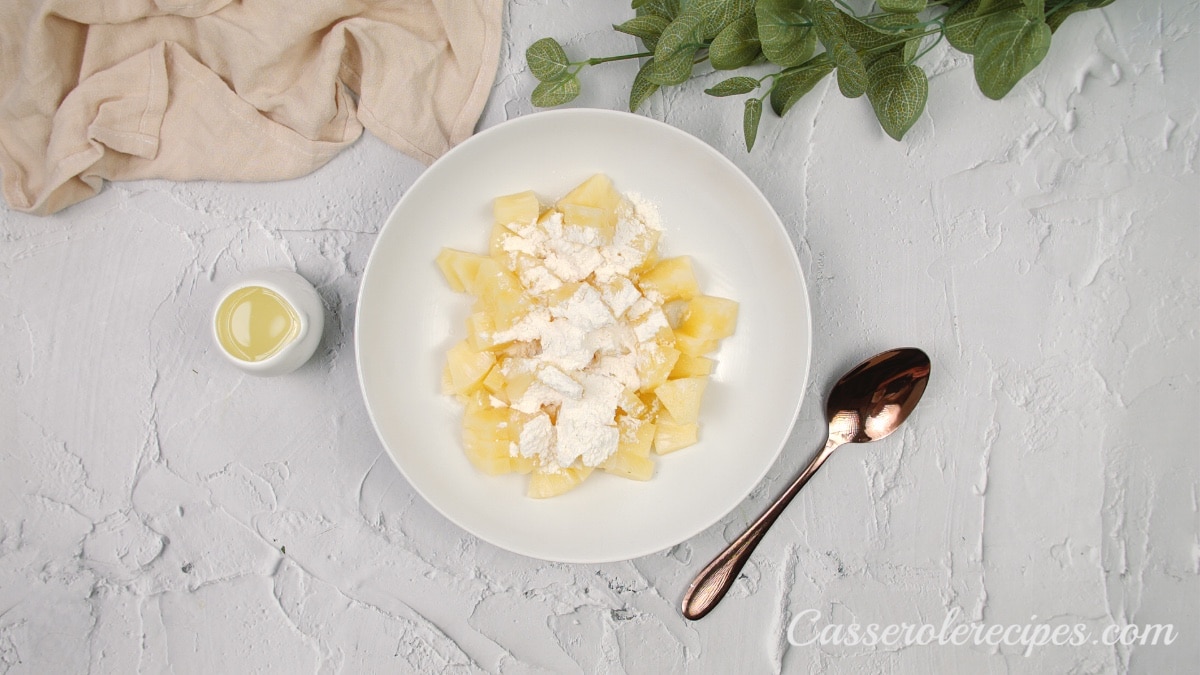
[242, 90]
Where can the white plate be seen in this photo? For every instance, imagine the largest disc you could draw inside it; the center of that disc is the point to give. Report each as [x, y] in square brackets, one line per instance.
[408, 318]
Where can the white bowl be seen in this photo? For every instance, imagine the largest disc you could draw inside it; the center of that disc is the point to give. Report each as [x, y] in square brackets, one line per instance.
[297, 292]
[408, 318]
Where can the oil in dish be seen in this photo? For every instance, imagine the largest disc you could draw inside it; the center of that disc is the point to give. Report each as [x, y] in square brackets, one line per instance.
[255, 323]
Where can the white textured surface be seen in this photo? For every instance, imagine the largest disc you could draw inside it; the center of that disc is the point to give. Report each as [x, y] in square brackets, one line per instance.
[1042, 249]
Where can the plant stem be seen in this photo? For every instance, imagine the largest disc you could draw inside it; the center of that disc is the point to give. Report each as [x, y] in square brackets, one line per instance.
[940, 29]
[849, 10]
[605, 59]
[1059, 6]
[823, 56]
[932, 3]
[923, 52]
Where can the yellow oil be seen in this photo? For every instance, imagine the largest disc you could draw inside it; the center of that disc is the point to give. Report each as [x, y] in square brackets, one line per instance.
[254, 323]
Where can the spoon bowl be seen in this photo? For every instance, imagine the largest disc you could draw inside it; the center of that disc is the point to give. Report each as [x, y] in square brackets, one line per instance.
[866, 404]
[875, 397]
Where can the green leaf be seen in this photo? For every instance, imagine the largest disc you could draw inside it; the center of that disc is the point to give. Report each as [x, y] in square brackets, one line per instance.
[910, 6]
[1036, 6]
[791, 85]
[960, 30]
[715, 15]
[670, 72]
[676, 48]
[897, 27]
[733, 86]
[637, 4]
[892, 23]
[647, 27]
[785, 31]
[750, 120]
[910, 49]
[851, 70]
[555, 92]
[547, 60]
[1010, 45]
[735, 46]
[864, 36]
[851, 74]
[642, 88]
[667, 9]
[897, 93]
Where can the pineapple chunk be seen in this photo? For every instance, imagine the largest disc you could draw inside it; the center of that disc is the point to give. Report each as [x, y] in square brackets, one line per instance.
[629, 465]
[480, 331]
[676, 312]
[543, 484]
[467, 367]
[500, 294]
[647, 247]
[654, 365]
[650, 256]
[522, 207]
[636, 436]
[459, 267]
[591, 217]
[491, 278]
[487, 439]
[496, 385]
[691, 366]
[510, 307]
[630, 404]
[500, 232]
[517, 384]
[694, 346]
[672, 279]
[596, 192]
[709, 318]
[475, 401]
[682, 398]
[521, 464]
[447, 381]
[653, 405]
[670, 435]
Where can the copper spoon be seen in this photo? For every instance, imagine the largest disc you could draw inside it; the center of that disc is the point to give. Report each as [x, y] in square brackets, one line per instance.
[868, 403]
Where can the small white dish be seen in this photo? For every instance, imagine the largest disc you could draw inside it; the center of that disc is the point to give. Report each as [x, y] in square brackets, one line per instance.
[408, 317]
[308, 312]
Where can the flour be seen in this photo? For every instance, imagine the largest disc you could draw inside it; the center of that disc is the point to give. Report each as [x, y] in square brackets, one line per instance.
[560, 382]
[537, 437]
[585, 309]
[586, 427]
[644, 210]
[620, 294]
[535, 277]
[586, 334]
[651, 324]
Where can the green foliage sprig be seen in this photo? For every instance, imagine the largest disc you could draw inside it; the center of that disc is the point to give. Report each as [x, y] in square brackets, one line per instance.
[873, 54]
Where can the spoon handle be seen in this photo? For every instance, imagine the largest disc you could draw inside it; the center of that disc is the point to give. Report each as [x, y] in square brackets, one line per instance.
[714, 581]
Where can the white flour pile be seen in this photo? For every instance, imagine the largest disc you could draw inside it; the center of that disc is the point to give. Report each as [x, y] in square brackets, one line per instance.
[584, 348]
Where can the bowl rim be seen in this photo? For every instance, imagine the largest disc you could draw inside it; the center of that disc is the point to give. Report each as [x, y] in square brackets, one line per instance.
[531, 118]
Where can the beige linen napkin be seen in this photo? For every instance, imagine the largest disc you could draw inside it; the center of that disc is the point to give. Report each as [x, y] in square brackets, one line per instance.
[229, 89]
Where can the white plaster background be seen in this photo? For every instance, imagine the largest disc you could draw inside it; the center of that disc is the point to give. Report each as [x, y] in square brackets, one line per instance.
[1043, 249]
